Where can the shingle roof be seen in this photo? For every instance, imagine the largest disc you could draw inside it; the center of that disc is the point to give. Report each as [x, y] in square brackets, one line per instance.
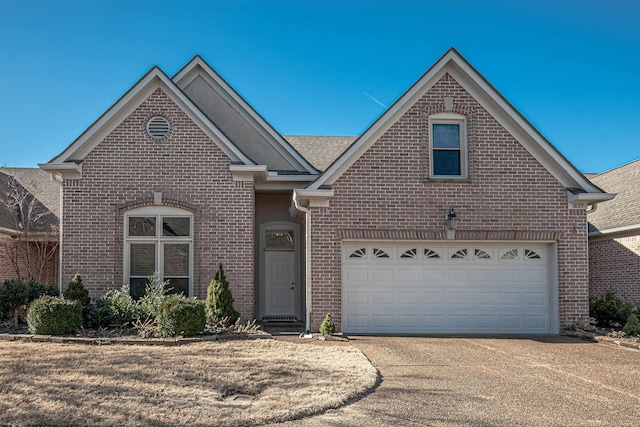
[38, 184]
[320, 151]
[624, 210]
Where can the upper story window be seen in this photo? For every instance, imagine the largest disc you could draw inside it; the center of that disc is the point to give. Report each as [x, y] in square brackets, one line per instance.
[159, 239]
[448, 146]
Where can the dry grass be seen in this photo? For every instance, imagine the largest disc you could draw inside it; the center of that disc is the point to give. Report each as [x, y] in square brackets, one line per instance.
[197, 384]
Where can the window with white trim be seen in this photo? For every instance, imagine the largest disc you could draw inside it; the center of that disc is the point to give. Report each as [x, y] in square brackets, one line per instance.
[448, 145]
[159, 239]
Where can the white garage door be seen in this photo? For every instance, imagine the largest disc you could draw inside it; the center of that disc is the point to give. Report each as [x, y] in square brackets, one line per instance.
[446, 288]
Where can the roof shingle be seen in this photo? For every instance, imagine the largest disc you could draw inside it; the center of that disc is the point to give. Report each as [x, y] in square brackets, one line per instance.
[624, 210]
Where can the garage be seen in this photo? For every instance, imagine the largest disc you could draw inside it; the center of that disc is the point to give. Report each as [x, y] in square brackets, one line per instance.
[448, 288]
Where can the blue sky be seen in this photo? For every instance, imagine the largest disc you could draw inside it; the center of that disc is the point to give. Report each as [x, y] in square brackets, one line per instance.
[324, 67]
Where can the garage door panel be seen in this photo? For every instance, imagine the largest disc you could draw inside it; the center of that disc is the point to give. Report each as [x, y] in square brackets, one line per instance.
[483, 289]
[433, 274]
[458, 276]
[357, 298]
[382, 298]
[408, 298]
[357, 274]
[432, 298]
[382, 275]
[534, 299]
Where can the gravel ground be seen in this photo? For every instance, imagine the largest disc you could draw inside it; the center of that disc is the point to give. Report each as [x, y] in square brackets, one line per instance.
[546, 381]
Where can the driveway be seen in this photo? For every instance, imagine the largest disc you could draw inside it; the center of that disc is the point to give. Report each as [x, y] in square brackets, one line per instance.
[545, 381]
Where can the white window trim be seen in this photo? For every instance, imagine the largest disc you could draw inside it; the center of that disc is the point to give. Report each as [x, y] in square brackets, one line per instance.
[456, 119]
[158, 212]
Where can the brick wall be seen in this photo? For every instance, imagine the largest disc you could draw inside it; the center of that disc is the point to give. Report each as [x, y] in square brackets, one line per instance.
[190, 171]
[48, 274]
[614, 264]
[388, 189]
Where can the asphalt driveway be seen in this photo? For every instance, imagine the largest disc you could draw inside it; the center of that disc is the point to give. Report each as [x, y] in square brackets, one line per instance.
[549, 381]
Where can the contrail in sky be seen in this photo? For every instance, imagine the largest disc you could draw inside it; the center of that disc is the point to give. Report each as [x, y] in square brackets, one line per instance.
[375, 100]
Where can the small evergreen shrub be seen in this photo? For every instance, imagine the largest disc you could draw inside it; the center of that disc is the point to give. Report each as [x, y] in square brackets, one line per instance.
[327, 327]
[116, 307]
[77, 292]
[180, 316]
[609, 310]
[54, 315]
[219, 302]
[632, 327]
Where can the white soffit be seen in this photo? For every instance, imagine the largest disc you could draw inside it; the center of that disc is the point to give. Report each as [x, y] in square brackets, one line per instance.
[131, 100]
[199, 67]
[477, 86]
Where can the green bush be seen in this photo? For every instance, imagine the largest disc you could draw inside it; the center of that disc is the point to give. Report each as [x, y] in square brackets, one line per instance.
[77, 292]
[327, 327]
[14, 293]
[180, 316]
[154, 293]
[609, 310]
[632, 327]
[116, 307]
[54, 315]
[219, 300]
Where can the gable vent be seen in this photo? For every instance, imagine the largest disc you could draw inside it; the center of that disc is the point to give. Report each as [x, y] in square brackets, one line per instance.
[158, 127]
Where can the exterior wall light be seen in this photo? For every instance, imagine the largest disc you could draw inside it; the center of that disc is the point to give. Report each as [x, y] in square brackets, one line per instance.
[451, 223]
[452, 220]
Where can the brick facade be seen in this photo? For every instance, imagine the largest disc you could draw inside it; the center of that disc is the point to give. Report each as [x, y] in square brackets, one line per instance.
[614, 264]
[508, 194]
[191, 172]
[48, 274]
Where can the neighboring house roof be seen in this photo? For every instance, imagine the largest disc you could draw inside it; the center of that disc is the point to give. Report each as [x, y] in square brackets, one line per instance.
[622, 213]
[321, 151]
[469, 78]
[33, 184]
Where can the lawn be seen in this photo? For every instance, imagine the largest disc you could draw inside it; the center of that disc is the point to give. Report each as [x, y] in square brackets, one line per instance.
[210, 383]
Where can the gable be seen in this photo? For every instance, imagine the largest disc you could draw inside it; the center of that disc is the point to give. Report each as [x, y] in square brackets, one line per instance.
[238, 120]
[453, 65]
[69, 162]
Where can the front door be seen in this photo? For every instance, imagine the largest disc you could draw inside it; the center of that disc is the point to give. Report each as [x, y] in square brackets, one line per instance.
[280, 282]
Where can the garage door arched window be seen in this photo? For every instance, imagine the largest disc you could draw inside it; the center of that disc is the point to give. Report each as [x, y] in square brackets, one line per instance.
[159, 239]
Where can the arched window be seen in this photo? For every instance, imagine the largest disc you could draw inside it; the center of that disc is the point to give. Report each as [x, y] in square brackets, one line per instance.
[159, 238]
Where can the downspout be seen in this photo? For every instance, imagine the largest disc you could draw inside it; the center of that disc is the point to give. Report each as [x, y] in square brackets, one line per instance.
[307, 262]
[60, 234]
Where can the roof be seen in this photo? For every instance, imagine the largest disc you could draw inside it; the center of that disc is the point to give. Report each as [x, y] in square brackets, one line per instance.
[38, 187]
[472, 81]
[623, 212]
[213, 105]
[320, 151]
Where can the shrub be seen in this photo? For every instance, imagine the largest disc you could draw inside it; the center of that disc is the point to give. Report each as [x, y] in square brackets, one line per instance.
[219, 301]
[632, 327]
[77, 292]
[54, 315]
[15, 293]
[116, 307]
[154, 294]
[327, 327]
[180, 316]
[610, 310]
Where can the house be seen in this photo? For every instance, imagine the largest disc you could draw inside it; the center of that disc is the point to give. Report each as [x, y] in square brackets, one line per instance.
[450, 214]
[614, 234]
[29, 218]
